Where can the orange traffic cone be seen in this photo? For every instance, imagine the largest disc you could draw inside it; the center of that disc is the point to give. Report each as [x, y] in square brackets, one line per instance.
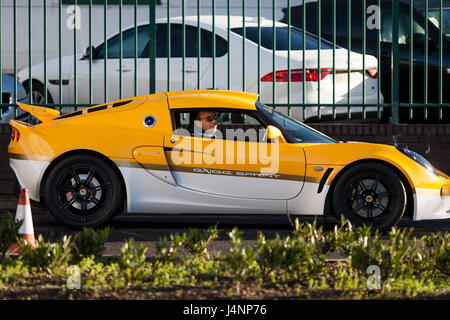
[23, 213]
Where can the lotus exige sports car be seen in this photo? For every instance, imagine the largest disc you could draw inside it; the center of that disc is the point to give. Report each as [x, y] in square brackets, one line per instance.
[213, 152]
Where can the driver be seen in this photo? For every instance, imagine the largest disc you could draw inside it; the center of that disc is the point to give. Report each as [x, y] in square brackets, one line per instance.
[204, 125]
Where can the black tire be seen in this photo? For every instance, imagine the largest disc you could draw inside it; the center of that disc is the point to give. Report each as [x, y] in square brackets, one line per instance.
[371, 194]
[38, 92]
[83, 191]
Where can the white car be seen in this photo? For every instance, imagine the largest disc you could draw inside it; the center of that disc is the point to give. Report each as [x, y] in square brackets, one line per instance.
[213, 71]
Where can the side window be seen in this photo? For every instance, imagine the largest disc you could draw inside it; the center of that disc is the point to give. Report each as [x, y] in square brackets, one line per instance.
[386, 25]
[251, 34]
[433, 15]
[127, 44]
[326, 18]
[403, 27]
[191, 38]
[231, 125]
[311, 17]
[342, 23]
[357, 23]
[207, 42]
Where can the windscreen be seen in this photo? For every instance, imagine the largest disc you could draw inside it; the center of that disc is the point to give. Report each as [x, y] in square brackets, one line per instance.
[297, 132]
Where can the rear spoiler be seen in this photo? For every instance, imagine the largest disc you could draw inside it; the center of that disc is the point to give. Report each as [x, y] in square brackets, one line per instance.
[41, 113]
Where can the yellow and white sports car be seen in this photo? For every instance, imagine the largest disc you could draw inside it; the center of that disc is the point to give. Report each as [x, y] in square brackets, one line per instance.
[213, 152]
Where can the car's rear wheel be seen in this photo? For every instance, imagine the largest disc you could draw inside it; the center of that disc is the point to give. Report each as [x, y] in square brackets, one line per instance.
[38, 92]
[83, 191]
[371, 194]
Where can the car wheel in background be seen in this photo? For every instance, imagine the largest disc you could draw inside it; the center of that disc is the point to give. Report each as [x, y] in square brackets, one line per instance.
[38, 92]
[371, 194]
[83, 191]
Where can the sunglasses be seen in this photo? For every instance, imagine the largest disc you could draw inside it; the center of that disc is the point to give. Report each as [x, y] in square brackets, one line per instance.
[211, 118]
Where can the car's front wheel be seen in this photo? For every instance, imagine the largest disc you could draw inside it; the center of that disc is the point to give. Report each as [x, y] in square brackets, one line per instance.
[371, 194]
[83, 191]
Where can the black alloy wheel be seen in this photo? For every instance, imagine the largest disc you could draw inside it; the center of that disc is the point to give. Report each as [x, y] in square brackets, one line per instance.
[83, 191]
[370, 194]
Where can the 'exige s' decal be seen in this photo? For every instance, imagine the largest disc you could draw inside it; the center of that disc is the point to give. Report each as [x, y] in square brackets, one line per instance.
[237, 173]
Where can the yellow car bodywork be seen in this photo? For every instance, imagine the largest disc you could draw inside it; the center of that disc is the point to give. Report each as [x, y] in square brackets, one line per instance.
[116, 132]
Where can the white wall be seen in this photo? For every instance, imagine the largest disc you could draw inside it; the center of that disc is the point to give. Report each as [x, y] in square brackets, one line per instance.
[82, 34]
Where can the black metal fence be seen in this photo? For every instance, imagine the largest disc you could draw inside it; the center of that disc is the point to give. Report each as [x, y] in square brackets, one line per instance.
[316, 60]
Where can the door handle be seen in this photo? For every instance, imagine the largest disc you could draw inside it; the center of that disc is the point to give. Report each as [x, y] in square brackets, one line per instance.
[190, 69]
[124, 70]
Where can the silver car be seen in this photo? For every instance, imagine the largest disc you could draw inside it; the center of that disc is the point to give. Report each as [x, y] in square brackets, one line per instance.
[8, 98]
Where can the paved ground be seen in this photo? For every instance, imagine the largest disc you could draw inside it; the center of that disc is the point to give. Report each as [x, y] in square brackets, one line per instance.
[147, 229]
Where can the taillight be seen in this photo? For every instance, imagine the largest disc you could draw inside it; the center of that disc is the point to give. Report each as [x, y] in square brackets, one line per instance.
[373, 72]
[297, 75]
[15, 136]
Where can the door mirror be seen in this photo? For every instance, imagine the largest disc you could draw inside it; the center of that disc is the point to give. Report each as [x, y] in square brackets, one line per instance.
[273, 133]
[87, 52]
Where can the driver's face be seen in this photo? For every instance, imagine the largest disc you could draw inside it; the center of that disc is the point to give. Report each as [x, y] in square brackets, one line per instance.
[208, 119]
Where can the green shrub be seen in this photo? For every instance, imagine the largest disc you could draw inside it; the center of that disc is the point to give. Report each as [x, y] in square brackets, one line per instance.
[166, 250]
[269, 257]
[49, 257]
[398, 253]
[346, 236]
[295, 257]
[411, 286]
[9, 229]
[301, 260]
[11, 271]
[346, 279]
[91, 242]
[438, 245]
[170, 274]
[409, 266]
[197, 241]
[364, 251]
[420, 260]
[325, 242]
[36, 257]
[133, 263]
[98, 276]
[240, 262]
[397, 257]
[205, 269]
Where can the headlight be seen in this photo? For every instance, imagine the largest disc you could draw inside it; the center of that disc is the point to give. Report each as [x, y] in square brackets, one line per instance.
[417, 158]
[420, 160]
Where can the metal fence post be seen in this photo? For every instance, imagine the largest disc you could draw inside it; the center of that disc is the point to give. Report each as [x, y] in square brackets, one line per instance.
[1, 47]
[75, 92]
[152, 46]
[394, 64]
[30, 82]
[15, 54]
